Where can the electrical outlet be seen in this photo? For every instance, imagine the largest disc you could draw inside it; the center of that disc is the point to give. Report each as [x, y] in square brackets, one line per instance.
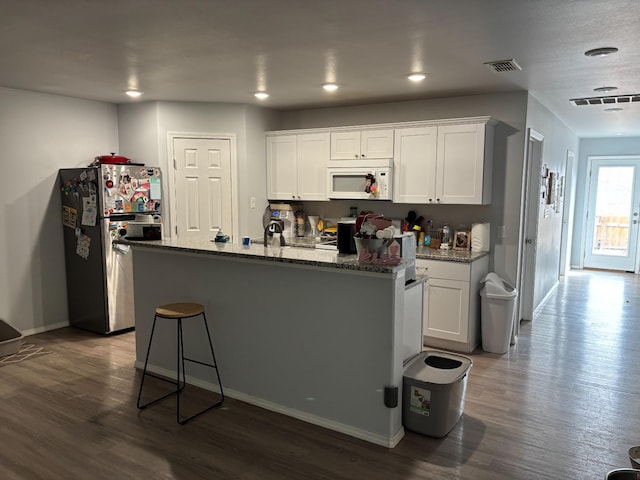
[501, 231]
[252, 202]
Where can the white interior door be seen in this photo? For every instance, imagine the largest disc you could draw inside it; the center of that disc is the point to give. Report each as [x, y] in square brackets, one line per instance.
[612, 219]
[203, 187]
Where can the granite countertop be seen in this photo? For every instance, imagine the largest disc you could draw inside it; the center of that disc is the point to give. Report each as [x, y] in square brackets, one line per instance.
[460, 256]
[287, 254]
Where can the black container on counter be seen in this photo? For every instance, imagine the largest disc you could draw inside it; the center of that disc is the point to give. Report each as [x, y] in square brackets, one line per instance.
[346, 231]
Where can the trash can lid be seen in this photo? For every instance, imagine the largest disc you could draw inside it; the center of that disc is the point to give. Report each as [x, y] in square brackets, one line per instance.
[433, 366]
[496, 287]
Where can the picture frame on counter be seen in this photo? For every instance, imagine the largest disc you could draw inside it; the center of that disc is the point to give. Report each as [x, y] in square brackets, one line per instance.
[462, 240]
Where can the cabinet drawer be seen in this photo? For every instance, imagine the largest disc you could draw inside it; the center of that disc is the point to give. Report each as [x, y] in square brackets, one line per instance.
[445, 270]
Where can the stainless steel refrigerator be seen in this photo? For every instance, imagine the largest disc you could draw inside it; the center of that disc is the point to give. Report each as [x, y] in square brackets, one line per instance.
[100, 204]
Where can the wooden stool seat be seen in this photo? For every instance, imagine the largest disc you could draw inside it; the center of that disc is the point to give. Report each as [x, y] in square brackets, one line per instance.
[178, 312]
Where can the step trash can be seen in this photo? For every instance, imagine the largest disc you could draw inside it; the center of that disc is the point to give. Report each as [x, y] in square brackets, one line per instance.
[498, 302]
[433, 390]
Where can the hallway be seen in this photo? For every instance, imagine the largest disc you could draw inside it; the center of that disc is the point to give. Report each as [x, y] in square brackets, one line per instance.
[564, 403]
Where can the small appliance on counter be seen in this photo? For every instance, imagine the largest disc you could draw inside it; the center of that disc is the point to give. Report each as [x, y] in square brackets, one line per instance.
[346, 232]
[274, 231]
[284, 212]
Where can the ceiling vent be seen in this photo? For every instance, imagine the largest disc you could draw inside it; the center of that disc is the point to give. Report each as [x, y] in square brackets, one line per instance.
[501, 66]
[606, 100]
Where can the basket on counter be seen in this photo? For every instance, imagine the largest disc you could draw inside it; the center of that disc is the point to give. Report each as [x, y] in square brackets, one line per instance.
[371, 245]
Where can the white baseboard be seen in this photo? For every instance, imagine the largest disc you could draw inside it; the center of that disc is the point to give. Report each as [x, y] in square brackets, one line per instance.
[545, 299]
[381, 440]
[45, 328]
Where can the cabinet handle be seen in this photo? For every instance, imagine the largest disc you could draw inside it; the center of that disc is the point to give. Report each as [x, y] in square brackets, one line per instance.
[431, 200]
[438, 200]
[357, 156]
[362, 155]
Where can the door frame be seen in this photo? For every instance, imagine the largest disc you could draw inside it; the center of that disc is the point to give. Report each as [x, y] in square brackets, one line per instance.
[568, 210]
[528, 226]
[171, 178]
[583, 246]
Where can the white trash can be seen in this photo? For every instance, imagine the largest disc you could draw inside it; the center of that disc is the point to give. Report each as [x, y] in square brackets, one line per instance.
[498, 300]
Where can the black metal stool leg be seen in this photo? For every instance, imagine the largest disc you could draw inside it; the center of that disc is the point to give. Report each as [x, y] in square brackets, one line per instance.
[214, 365]
[213, 356]
[150, 374]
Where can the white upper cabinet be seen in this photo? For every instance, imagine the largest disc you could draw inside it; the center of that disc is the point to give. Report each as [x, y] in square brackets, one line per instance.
[297, 166]
[282, 167]
[447, 164]
[414, 164]
[313, 155]
[434, 162]
[463, 172]
[362, 144]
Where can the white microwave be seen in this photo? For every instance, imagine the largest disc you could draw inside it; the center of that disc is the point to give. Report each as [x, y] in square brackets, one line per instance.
[360, 179]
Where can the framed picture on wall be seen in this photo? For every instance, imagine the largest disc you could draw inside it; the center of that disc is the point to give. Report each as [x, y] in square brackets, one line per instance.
[462, 240]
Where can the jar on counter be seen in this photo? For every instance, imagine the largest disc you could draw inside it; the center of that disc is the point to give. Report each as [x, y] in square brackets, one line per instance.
[299, 229]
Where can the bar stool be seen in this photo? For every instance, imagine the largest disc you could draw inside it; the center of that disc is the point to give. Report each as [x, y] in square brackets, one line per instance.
[179, 312]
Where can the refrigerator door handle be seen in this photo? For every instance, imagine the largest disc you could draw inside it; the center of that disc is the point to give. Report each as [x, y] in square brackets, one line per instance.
[121, 248]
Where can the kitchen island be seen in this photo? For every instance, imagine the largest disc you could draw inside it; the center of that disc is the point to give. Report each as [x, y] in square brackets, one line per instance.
[308, 333]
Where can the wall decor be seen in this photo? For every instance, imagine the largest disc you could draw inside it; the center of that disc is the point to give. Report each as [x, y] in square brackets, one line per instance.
[462, 240]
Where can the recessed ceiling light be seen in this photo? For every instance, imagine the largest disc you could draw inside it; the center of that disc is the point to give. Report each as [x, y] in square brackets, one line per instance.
[605, 89]
[600, 52]
[261, 95]
[134, 93]
[613, 109]
[619, 134]
[417, 77]
[330, 87]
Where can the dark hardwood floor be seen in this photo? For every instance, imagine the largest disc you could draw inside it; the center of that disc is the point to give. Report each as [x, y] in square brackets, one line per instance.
[564, 403]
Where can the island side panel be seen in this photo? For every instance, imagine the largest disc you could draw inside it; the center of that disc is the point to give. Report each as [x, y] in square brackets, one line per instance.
[322, 341]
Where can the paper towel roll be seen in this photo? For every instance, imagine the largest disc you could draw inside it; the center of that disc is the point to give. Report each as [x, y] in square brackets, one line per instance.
[480, 237]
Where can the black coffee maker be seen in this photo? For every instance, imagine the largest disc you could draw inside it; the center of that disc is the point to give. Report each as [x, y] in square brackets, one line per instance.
[346, 232]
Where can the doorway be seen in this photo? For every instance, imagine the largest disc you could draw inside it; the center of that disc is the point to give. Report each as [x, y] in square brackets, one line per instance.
[529, 232]
[611, 237]
[203, 184]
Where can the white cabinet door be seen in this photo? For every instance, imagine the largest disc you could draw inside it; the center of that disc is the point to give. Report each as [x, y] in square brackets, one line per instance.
[313, 155]
[345, 145]
[281, 167]
[446, 309]
[460, 171]
[415, 165]
[376, 143]
[362, 144]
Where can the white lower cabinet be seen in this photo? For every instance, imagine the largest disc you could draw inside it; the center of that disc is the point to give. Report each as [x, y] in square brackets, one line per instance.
[451, 303]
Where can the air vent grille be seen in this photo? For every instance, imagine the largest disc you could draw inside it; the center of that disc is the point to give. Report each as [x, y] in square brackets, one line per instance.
[606, 100]
[501, 66]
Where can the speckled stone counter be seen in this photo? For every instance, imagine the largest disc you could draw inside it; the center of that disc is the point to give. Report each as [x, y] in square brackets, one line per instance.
[287, 254]
[460, 256]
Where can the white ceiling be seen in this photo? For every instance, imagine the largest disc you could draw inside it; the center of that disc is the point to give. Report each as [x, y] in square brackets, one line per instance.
[225, 50]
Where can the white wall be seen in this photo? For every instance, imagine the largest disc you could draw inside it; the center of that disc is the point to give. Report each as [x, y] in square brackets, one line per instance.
[557, 140]
[594, 147]
[509, 109]
[40, 134]
[144, 130]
